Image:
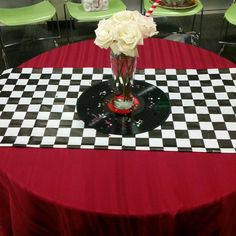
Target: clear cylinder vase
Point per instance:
(123, 69)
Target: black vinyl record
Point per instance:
(152, 111)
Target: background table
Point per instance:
(95, 192)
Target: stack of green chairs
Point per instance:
(229, 19)
(27, 15)
(169, 12)
(77, 13)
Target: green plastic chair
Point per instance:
(168, 12)
(229, 19)
(76, 12)
(27, 15)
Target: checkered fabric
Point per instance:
(38, 109)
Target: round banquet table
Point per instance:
(50, 191)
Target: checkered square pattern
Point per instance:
(38, 109)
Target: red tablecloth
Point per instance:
(91, 192)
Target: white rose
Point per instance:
(127, 36)
(104, 34)
(147, 26)
(124, 31)
(125, 16)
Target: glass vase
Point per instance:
(123, 69)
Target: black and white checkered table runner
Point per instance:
(38, 109)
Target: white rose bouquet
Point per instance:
(124, 31)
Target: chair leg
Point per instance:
(4, 55)
(58, 26)
(67, 25)
(226, 30)
(222, 49)
(224, 39)
(200, 25)
(71, 27)
(58, 31)
(193, 23)
(5, 60)
(141, 7)
(54, 40)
